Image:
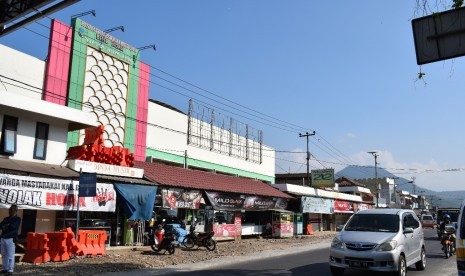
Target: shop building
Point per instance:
(230, 206)
(203, 139)
(321, 210)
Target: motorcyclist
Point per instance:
(442, 230)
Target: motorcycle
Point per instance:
(448, 243)
(158, 240)
(199, 239)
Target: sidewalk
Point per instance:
(186, 267)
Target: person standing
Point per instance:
(9, 227)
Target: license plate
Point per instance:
(358, 264)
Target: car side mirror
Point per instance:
(408, 230)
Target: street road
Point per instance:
(315, 262)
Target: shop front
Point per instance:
(317, 213)
(240, 215)
(343, 210)
(229, 206)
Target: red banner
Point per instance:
(343, 206)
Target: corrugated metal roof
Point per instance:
(37, 168)
(167, 175)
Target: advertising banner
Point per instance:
(53, 194)
(180, 198)
(343, 206)
(317, 205)
(362, 206)
(322, 178)
(231, 202)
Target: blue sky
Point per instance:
(345, 69)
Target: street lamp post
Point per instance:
(375, 155)
(306, 135)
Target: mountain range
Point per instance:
(441, 199)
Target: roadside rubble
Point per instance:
(125, 259)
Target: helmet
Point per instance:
(446, 216)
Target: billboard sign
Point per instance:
(439, 36)
(322, 178)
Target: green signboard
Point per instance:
(322, 178)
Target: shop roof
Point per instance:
(50, 170)
(344, 182)
(167, 175)
(36, 168)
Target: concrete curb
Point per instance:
(222, 261)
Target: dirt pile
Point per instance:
(131, 258)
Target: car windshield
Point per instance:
(373, 223)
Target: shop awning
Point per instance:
(36, 168)
(171, 176)
(138, 200)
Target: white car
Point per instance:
(428, 221)
(379, 240)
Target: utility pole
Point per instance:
(414, 186)
(306, 135)
(375, 155)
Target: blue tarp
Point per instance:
(138, 200)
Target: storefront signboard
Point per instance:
(100, 168)
(231, 202)
(317, 205)
(343, 206)
(53, 194)
(180, 198)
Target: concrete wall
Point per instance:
(24, 68)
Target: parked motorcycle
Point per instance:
(158, 240)
(199, 239)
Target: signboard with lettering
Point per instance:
(322, 178)
(180, 198)
(53, 194)
(227, 201)
(343, 206)
(100, 168)
(317, 205)
(87, 184)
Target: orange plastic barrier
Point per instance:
(72, 245)
(57, 246)
(92, 242)
(309, 229)
(36, 248)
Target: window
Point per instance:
(40, 145)
(410, 221)
(8, 139)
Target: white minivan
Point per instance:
(379, 240)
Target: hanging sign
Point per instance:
(180, 198)
(53, 194)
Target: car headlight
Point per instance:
(337, 243)
(387, 246)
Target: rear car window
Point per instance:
(373, 223)
(427, 217)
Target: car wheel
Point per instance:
(336, 271)
(421, 264)
(401, 267)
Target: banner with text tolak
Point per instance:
(53, 194)
(317, 205)
(227, 201)
(180, 198)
